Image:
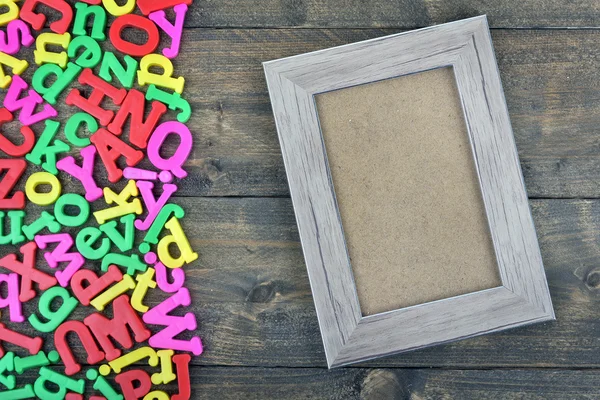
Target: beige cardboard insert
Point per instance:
(407, 190)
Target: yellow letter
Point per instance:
(17, 66)
(123, 207)
(42, 178)
(41, 55)
(145, 77)
(177, 237)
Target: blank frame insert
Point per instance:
(407, 191)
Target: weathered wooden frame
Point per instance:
(522, 299)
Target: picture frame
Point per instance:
(523, 297)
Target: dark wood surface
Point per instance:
(250, 288)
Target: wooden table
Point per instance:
(250, 288)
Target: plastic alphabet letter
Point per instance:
(37, 20)
(12, 297)
(7, 364)
(82, 17)
(153, 206)
(129, 359)
(75, 123)
(91, 54)
(177, 160)
(8, 146)
(116, 10)
(141, 23)
(55, 318)
(32, 345)
(11, 14)
(102, 300)
(63, 79)
(163, 282)
(166, 374)
(159, 223)
(145, 77)
(27, 104)
(110, 149)
(16, 66)
(42, 178)
(148, 6)
(105, 329)
(182, 362)
(125, 74)
(16, 224)
(101, 89)
(134, 106)
(60, 381)
(65, 242)
(103, 386)
(173, 30)
(132, 262)
(95, 355)
(25, 392)
(27, 271)
(144, 281)
(73, 200)
(123, 207)
(43, 56)
(86, 238)
(43, 148)
(84, 173)
(173, 100)
(46, 220)
(177, 237)
(14, 170)
(123, 242)
(159, 315)
(17, 34)
(135, 384)
(94, 285)
(36, 361)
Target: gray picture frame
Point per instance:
(348, 336)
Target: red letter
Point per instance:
(148, 6)
(134, 105)
(37, 21)
(110, 149)
(27, 271)
(123, 316)
(101, 90)
(134, 21)
(15, 170)
(60, 342)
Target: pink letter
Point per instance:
(12, 297)
(83, 173)
(174, 31)
(60, 254)
(9, 41)
(27, 104)
(159, 315)
(177, 160)
(152, 205)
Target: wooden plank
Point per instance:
(254, 306)
(374, 384)
(550, 79)
(396, 14)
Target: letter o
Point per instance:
(134, 21)
(42, 178)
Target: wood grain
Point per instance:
(376, 384)
(550, 80)
(394, 14)
(254, 306)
